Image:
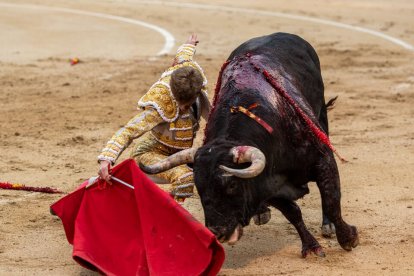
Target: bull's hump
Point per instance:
(243, 72)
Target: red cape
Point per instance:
(120, 231)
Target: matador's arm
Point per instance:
(137, 126)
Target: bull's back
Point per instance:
(295, 56)
(282, 46)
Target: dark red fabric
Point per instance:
(120, 231)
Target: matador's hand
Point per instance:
(192, 39)
(104, 171)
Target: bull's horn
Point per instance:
(179, 158)
(243, 154)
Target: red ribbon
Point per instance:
(320, 135)
(10, 186)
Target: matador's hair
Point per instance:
(186, 83)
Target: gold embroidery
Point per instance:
(160, 98)
(147, 143)
(187, 179)
(183, 123)
(184, 134)
(179, 144)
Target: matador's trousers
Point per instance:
(149, 151)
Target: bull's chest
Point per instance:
(288, 186)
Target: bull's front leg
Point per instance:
(327, 179)
(293, 214)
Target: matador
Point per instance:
(167, 121)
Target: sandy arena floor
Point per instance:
(55, 118)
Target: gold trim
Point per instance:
(160, 98)
(179, 144)
(184, 134)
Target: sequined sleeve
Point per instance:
(137, 126)
(185, 53)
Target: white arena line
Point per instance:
(283, 15)
(168, 37)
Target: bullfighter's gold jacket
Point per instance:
(159, 114)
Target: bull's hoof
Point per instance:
(262, 218)
(328, 230)
(350, 241)
(317, 250)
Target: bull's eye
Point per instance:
(231, 188)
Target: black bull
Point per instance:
(266, 138)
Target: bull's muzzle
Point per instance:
(222, 235)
